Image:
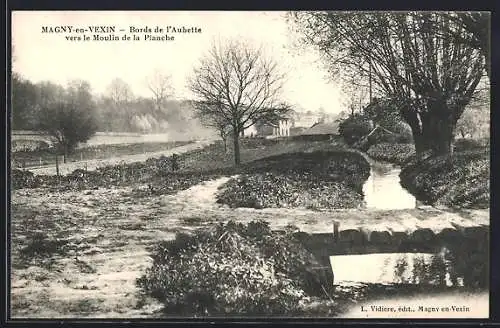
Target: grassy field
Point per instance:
(44, 157)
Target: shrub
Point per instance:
(395, 153)
(470, 144)
(300, 190)
(230, 269)
(320, 179)
(23, 179)
(354, 128)
(459, 181)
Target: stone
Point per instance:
(380, 237)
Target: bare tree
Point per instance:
(218, 122)
(120, 94)
(357, 94)
(235, 84)
(119, 91)
(160, 85)
(430, 76)
(477, 26)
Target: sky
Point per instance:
(50, 56)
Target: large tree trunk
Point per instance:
(236, 143)
(434, 133)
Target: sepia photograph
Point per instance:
(249, 164)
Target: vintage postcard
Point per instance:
(250, 164)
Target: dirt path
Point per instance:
(65, 168)
(106, 235)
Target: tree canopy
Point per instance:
(236, 85)
(414, 59)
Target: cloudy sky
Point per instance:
(49, 56)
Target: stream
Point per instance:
(383, 191)
(454, 268)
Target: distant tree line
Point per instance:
(117, 110)
(71, 114)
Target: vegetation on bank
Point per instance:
(396, 153)
(275, 174)
(318, 180)
(462, 180)
(233, 269)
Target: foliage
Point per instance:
(396, 153)
(23, 179)
(319, 179)
(386, 114)
(379, 122)
(230, 269)
(460, 181)
(69, 118)
(411, 60)
(24, 100)
(236, 86)
(353, 128)
(298, 191)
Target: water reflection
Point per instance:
(451, 267)
(382, 190)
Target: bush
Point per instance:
(230, 269)
(23, 179)
(395, 153)
(470, 144)
(460, 181)
(353, 128)
(300, 190)
(320, 179)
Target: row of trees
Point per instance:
(72, 114)
(427, 64)
(118, 110)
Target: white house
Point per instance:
(283, 128)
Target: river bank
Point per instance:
(77, 252)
